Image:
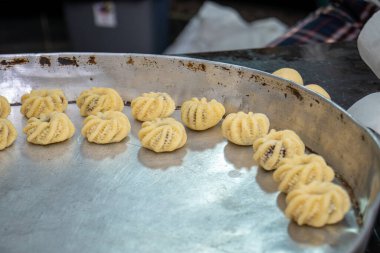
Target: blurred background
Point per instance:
(146, 26)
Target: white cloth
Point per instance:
(369, 43)
(220, 28)
(367, 111)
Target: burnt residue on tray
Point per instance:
(194, 66)
(13, 62)
(130, 61)
(341, 117)
(68, 61)
(45, 61)
(222, 67)
(91, 60)
(295, 92)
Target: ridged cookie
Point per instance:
(162, 135)
(39, 102)
(200, 115)
(107, 127)
(244, 128)
(49, 128)
(153, 105)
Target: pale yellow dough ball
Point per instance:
(49, 128)
(289, 74)
(244, 128)
(199, 114)
(150, 106)
(39, 102)
(162, 135)
(270, 149)
(318, 89)
(8, 133)
(107, 127)
(317, 204)
(99, 99)
(5, 108)
(300, 170)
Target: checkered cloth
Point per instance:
(341, 20)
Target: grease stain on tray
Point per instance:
(68, 61)
(44, 61)
(295, 92)
(91, 60)
(130, 61)
(194, 66)
(13, 62)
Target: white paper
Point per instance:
(220, 28)
(367, 111)
(104, 14)
(369, 43)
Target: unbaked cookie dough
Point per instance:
(49, 128)
(300, 170)
(5, 108)
(8, 133)
(200, 115)
(153, 105)
(162, 135)
(244, 128)
(289, 74)
(317, 204)
(273, 147)
(318, 89)
(107, 127)
(39, 102)
(98, 99)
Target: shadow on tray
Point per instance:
(161, 161)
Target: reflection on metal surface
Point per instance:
(151, 160)
(318, 237)
(207, 196)
(103, 151)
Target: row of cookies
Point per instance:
(295, 76)
(47, 122)
(105, 123)
(312, 198)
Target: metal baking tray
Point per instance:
(208, 196)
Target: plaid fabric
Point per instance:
(341, 20)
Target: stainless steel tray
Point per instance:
(206, 197)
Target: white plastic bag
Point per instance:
(220, 28)
(369, 43)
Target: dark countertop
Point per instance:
(336, 67)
